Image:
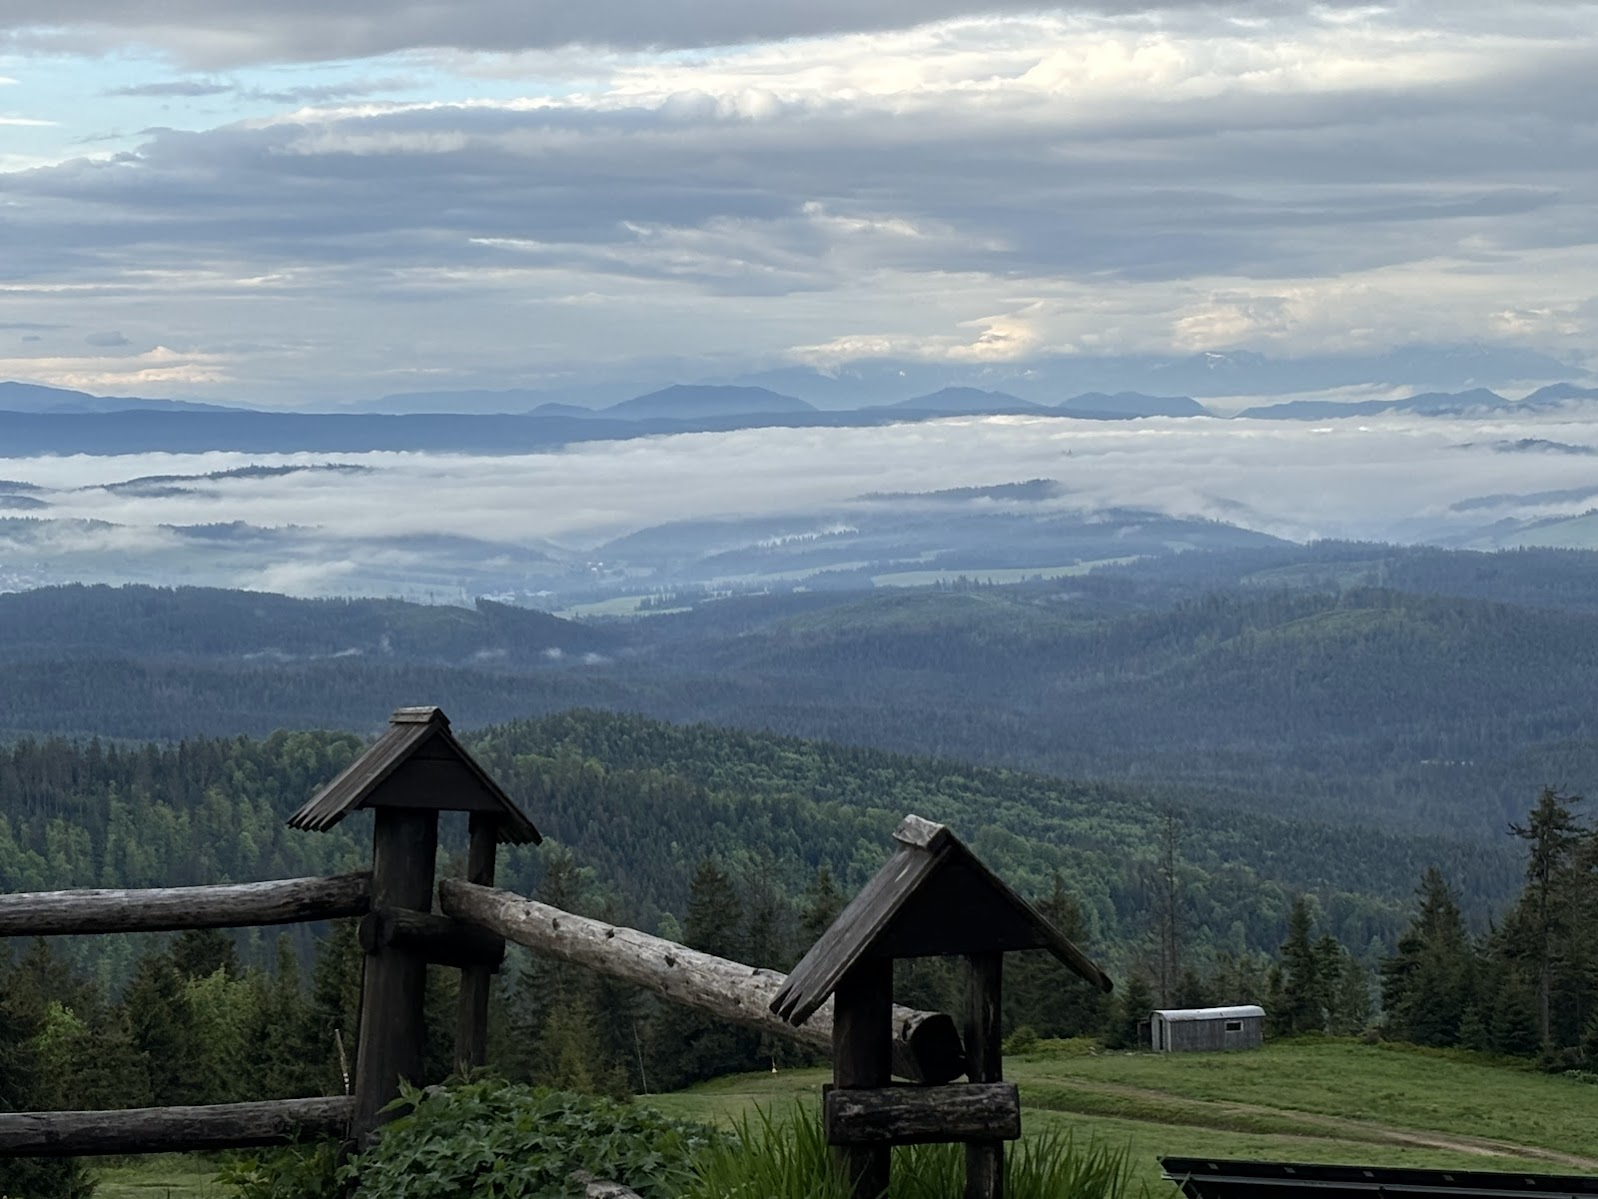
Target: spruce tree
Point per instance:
(1553, 836)
(1301, 985)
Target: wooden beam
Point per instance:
(471, 1012)
(172, 1129)
(862, 1057)
(163, 909)
(926, 1045)
(393, 1028)
(984, 1160)
(970, 1111)
(437, 940)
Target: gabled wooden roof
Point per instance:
(933, 897)
(416, 763)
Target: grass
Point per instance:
(1311, 1101)
(159, 1176)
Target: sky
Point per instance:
(296, 203)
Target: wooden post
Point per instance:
(471, 1029)
(393, 1028)
(984, 1160)
(862, 1056)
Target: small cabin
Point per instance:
(1206, 1029)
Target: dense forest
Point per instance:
(763, 838)
(1407, 689)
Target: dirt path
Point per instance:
(1331, 1126)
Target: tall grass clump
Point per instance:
(786, 1156)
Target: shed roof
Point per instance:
(932, 897)
(1238, 1012)
(416, 763)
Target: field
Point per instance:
(1311, 1100)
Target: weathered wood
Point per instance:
(984, 1160)
(926, 1045)
(435, 939)
(923, 834)
(393, 1030)
(471, 1017)
(862, 1057)
(172, 1129)
(970, 1111)
(416, 763)
(163, 909)
(932, 898)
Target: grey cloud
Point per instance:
(232, 32)
(687, 192)
(173, 88)
(107, 340)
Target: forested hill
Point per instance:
(642, 803)
(1343, 684)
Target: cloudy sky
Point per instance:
(300, 202)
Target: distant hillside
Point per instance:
(1434, 403)
(682, 402)
(32, 397)
(1131, 404)
(961, 401)
(1559, 393)
(199, 622)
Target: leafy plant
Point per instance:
(498, 1140)
(293, 1172)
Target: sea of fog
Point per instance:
(1384, 478)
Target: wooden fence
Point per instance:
(411, 774)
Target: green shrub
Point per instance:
(787, 1157)
(490, 1140)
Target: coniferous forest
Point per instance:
(1316, 783)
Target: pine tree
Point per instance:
(1426, 982)
(823, 901)
(1042, 995)
(201, 952)
(1553, 836)
(162, 1027)
(1132, 1009)
(1302, 990)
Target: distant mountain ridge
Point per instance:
(1434, 403)
(966, 401)
(692, 402)
(1130, 404)
(35, 397)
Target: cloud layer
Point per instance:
(980, 189)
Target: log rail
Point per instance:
(167, 909)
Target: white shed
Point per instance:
(1180, 1030)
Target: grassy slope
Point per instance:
(1315, 1101)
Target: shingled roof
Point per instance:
(933, 897)
(416, 763)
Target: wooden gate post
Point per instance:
(933, 898)
(862, 1057)
(984, 1160)
(471, 1031)
(393, 1029)
(410, 774)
